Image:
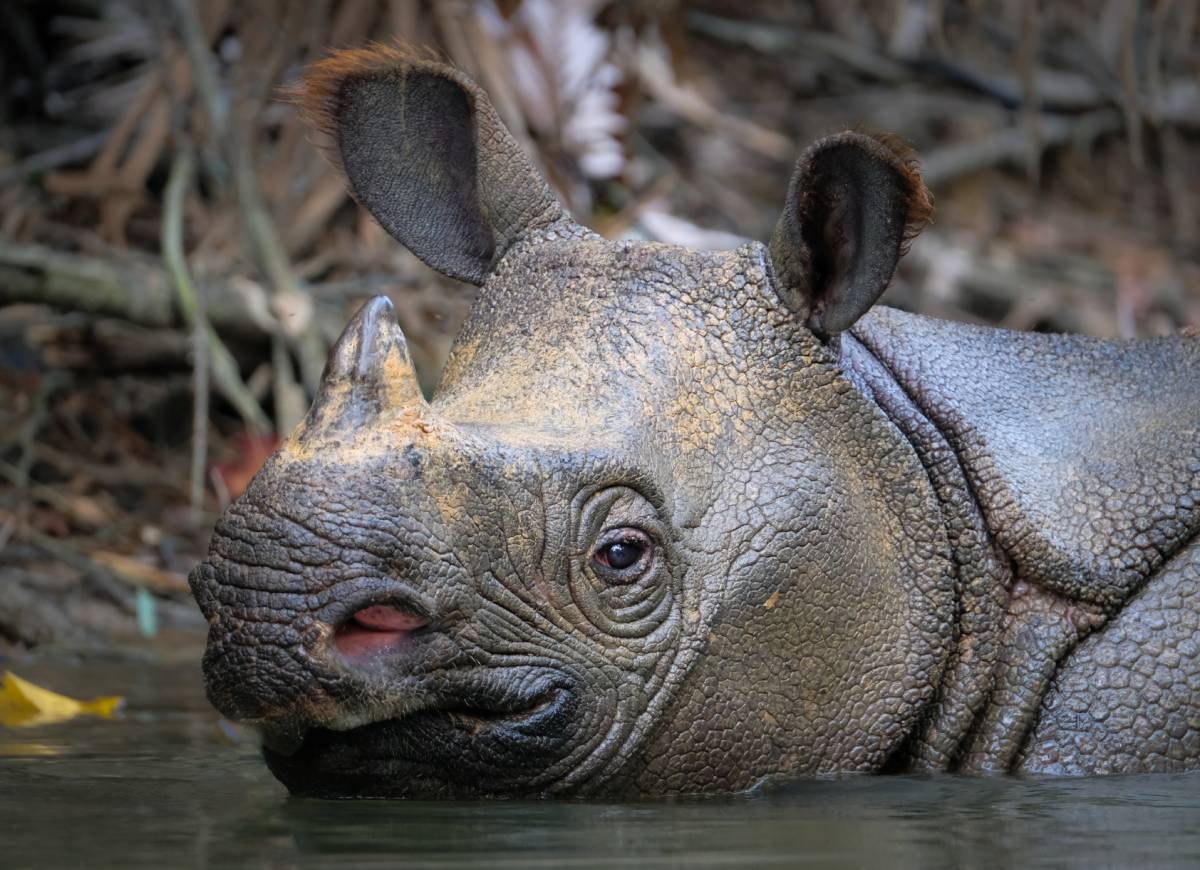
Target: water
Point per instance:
(166, 786)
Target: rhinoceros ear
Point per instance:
(854, 203)
(425, 153)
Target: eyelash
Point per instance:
(635, 538)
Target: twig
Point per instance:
(53, 158)
(199, 412)
(129, 473)
(123, 568)
(1130, 103)
(203, 72)
(48, 384)
(310, 350)
(8, 525)
(139, 290)
(199, 61)
(1057, 90)
(194, 44)
(18, 475)
(1154, 51)
(1176, 182)
(773, 39)
(74, 509)
(1011, 145)
(1026, 289)
(125, 287)
(260, 229)
(1027, 51)
(224, 369)
(658, 80)
(135, 573)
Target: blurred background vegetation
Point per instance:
(176, 257)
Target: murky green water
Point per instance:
(166, 787)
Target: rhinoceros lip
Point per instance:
(434, 752)
(478, 714)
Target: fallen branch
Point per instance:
(1012, 144)
(269, 251)
(53, 158)
(126, 569)
(1057, 90)
(128, 288)
(129, 472)
(129, 570)
(224, 368)
(658, 79)
(777, 39)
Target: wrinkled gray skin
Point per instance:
(869, 541)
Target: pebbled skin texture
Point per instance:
(1084, 459)
(909, 545)
(983, 572)
(1128, 699)
(1083, 453)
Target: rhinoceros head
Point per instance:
(645, 538)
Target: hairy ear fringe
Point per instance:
(920, 200)
(315, 95)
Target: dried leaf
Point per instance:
(140, 574)
(294, 310)
(86, 511)
(257, 302)
(252, 452)
(565, 80)
(23, 704)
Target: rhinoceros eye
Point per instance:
(622, 555)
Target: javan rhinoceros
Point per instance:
(681, 521)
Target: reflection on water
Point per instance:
(166, 786)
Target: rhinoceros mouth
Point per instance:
(482, 742)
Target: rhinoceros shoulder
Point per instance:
(1083, 453)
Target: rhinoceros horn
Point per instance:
(369, 371)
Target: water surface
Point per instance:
(167, 786)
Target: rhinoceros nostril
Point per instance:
(375, 629)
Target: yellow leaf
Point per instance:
(23, 704)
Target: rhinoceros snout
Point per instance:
(280, 654)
